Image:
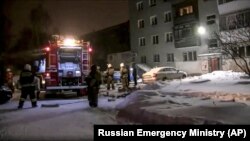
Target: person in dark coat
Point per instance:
(27, 82)
(93, 81)
(135, 75)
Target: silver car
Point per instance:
(163, 73)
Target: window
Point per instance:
(156, 58)
(185, 56)
(139, 6)
(169, 37)
(142, 41)
(152, 3)
(141, 23)
(170, 57)
(190, 56)
(212, 43)
(153, 20)
(224, 1)
(235, 21)
(155, 39)
(167, 17)
(211, 19)
(143, 59)
(183, 31)
(186, 10)
(110, 58)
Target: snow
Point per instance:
(217, 81)
(207, 99)
(220, 97)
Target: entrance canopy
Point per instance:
(209, 54)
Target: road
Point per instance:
(71, 118)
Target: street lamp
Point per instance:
(201, 30)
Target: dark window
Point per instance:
(248, 50)
(140, 23)
(190, 56)
(152, 3)
(168, 17)
(185, 57)
(142, 41)
(153, 20)
(169, 37)
(143, 59)
(139, 6)
(212, 43)
(156, 58)
(155, 39)
(211, 19)
(170, 57)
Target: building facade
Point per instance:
(178, 33)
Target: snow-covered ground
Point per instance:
(221, 97)
(215, 98)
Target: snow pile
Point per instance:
(222, 75)
(211, 100)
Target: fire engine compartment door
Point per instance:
(69, 63)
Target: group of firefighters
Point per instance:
(94, 81)
(30, 86)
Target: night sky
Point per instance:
(72, 17)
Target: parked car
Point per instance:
(163, 73)
(5, 94)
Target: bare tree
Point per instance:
(233, 44)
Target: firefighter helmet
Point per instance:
(27, 67)
(122, 65)
(109, 65)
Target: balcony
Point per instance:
(233, 6)
(185, 19)
(187, 42)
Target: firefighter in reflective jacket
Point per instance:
(27, 82)
(124, 77)
(110, 77)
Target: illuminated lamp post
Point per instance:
(90, 55)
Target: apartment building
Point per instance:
(235, 20)
(166, 32)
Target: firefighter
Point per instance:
(110, 77)
(9, 79)
(124, 77)
(93, 81)
(27, 82)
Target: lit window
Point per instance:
(186, 10)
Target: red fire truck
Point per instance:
(67, 62)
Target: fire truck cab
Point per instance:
(67, 63)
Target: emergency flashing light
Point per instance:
(90, 49)
(69, 42)
(47, 49)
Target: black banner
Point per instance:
(172, 132)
